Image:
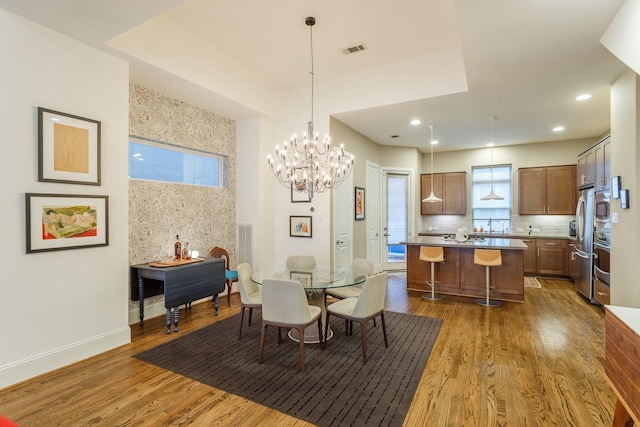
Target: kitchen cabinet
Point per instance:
(450, 187)
(602, 158)
(586, 169)
(551, 256)
(530, 255)
(547, 190)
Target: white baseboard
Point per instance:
(25, 369)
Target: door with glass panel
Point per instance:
(396, 225)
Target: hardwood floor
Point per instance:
(537, 363)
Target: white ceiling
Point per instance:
(522, 61)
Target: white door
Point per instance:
(372, 214)
(397, 190)
(343, 215)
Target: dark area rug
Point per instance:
(336, 389)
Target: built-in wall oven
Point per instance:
(601, 265)
(602, 210)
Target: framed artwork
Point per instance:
(68, 148)
(300, 226)
(359, 203)
(302, 277)
(624, 199)
(66, 221)
(300, 192)
(615, 187)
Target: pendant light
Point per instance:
(492, 195)
(432, 197)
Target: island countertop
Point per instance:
(485, 243)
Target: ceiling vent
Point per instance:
(354, 49)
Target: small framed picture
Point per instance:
(303, 277)
(359, 203)
(615, 187)
(66, 221)
(68, 148)
(624, 199)
(300, 192)
(300, 226)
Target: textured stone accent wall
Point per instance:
(202, 216)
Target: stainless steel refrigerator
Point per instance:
(584, 244)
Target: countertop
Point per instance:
(486, 243)
(629, 316)
(504, 236)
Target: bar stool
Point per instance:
(432, 254)
(489, 258)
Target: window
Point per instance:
(496, 212)
(157, 161)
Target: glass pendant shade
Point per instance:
(492, 194)
(432, 197)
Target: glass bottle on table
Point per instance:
(186, 253)
(177, 249)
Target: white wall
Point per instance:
(625, 158)
(63, 306)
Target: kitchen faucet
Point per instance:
(489, 224)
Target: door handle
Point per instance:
(338, 242)
(386, 234)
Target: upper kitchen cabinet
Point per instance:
(602, 156)
(547, 190)
(450, 187)
(594, 166)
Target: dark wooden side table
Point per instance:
(181, 284)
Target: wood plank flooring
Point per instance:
(537, 363)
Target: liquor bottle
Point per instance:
(177, 249)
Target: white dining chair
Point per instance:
(360, 266)
(284, 304)
(367, 306)
(301, 263)
(250, 293)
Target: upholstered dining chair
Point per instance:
(361, 266)
(284, 304)
(250, 293)
(301, 263)
(367, 306)
(230, 275)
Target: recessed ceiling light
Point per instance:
(415, 122)
(558, 128)
(490, 144)
(583, 97)
(434, 142)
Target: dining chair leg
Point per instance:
(363, 326)
(242, 320)
(279, 335)
(326, 329)
(323, 342)
(250, 313)
(301, 336)
(384, 329)
(229, 293)
(264, 332)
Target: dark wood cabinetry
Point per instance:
(547, 190)
(552, 256)
(450, 187)
(594, 166)
(530, 256)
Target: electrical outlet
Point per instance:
(519, 230)
(614, 217)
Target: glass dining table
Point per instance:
(315, 282)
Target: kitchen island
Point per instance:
(458, 275)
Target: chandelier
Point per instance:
(310, 164)
(432, 197)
